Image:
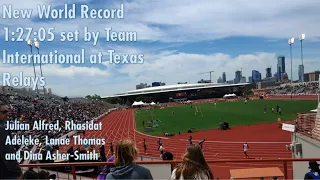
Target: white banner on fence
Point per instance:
(288, 127)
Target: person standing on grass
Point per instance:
(245, 149)
(279, 111)
(265, 109)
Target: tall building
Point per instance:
(224, 77)
(281, 67)
(301, 73)
(312, 76)
(268, 72)
(256, 76)
(250, 79)
(238, 76)
(243, 79)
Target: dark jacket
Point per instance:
(311, 175)
(132, 171)
(8, 169)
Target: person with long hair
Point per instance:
(124, 160)
(193, 166)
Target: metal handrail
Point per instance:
(174, 162)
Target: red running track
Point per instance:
(265, 141)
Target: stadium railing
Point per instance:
(155, 166)
(306, 124)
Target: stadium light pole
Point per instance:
(37, 45)
(29, 42)
(301, 38)
(290, 42)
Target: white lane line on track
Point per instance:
(236, 142)
(216, 154)
(150, 135)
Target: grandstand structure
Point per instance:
(186, 91)
(306, 138)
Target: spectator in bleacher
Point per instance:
(102, 153)
(314, 172)
(9, 169)
(30, 174)
(193, 166)
(126, 168)
(106, 169)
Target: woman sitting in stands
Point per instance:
(126, 154)
(193, 166)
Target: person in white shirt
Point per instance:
(245, 149)
(193, 166)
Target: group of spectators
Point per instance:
(309, 88)
(27, 107)
(193, 166)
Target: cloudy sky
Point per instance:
(179, 40)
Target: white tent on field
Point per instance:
(229, 95)
(138, 103)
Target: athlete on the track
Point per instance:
(245, 149)
(190, 140)
(111, 148)
(159, 143)
(201, 143)
(144, 146)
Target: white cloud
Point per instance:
(173, 21)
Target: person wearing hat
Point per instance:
(314, 172)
